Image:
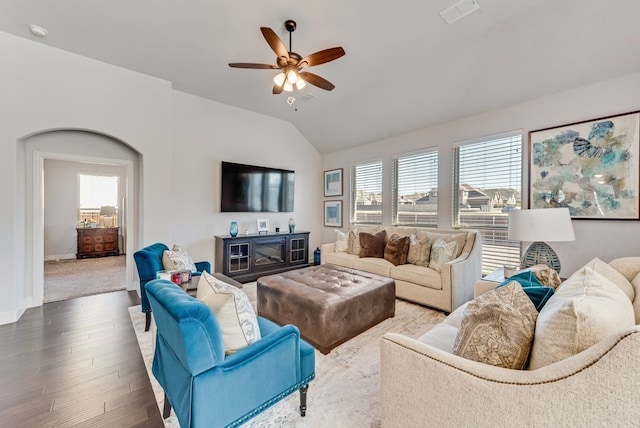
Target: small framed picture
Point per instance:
(263, 225)
(333, 213)
(333, 182)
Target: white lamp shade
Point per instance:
(546, 224)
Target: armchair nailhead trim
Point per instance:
(272, 401)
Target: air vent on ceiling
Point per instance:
(307, 97)
(459, 10)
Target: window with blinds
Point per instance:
(415, 189)
(487, 184)
(96, 191)
(366, 193)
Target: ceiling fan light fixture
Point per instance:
(292, 76)
(300, 83)
(279, 79)
(288, 86)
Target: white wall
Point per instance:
(604, 239)
(180, 140)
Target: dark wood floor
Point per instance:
(75, 363)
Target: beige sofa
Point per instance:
(424, 384)
(444, 290)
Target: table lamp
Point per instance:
(536, 226)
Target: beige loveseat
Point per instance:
(444, 290)
(424, 384)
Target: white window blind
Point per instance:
(415, 189)
(487, 184)
(366, 193)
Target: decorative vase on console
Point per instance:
(292, 225)
(233, 229)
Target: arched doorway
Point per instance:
(74, 146)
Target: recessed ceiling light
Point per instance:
(37, 30)
(459, 10)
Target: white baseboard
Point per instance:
(10, 317)
(59, 257)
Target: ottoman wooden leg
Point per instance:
(303, 400)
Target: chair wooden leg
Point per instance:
(166, 411)
(303, 400)
(147, 321)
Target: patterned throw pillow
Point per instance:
(441, 253)
(177, 259)
(459, 238)
(353, 243)
(372, 245)
(233, 311)
(498, 328)
(341, 241)
(396, 250)
(419, 250)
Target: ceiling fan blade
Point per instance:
(253, 65)
(316, 80)
(276, 44)
(277, 89)
(321, 57)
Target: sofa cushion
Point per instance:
(341, 259)
(498, 328)
(629, 267)
(636, 302)
(419, 250)
(375, 265)
(441, 336)
(441, 253)
(612, 275)
(234, 313)
(396, 249)
(177, 259)
(586, 308)
(372, 245)
(417, 275)
(341, 241)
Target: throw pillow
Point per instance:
(341, 241)
(612, 275)
(586, 308)
(234, 313)
(546, 275)
(372, 245)
(459, 238)
(498, 328)
(441, 253)
(353, 242)
(419, 250)
(177, 259)
(532, 287)
(396, 249)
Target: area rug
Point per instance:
(67, 279)
(346, 391)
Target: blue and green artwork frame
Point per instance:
(590, 167)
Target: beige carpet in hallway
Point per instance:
(66, 279)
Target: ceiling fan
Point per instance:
(291, 63)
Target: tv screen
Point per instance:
(249, 188)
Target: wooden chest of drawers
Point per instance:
(97, 242)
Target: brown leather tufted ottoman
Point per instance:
(329, 304)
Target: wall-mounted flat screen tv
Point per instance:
(249, 188)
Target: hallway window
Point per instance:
(96, 191)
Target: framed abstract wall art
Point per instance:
(333, 213)
(333, 182)
(590, 167)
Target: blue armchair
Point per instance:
(207, 388)
(149, 261)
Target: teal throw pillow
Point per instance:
(538, 293)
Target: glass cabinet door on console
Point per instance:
(248, 257)
(239, 257)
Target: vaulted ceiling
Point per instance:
(404, 68)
